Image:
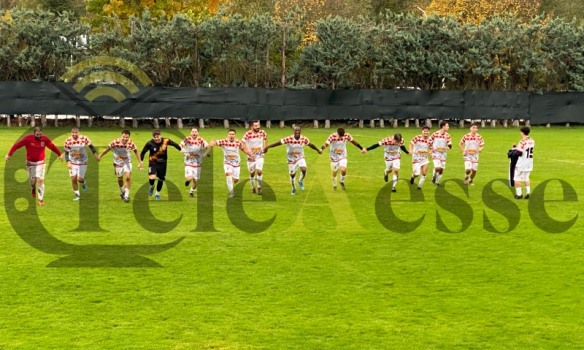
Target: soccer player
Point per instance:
(122, 149)
(76, 158)
(471, 145)
(392, 146)
(193, 147)
(231, 160)
(440, 143)
(35, 145)
(420, 149)
(295, 154)
(524, 163)
(338, 143)
(255, 140)
(158, 155)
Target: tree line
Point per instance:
(389, 51)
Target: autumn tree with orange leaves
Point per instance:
(475, 11)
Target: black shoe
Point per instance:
(526, 196)
(434, 179)
(412, 180)
(259, 192)
(342, 185)
(518, 196)
(192, 194)
(393, 190)
(419, 188)
(386, 177)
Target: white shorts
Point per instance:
(78, 170)
(468, 165)
(293, 167)
(439, 163)
(36, 171)
(417, 167)
(521, 176)
(392, 164)
(193, 171)
(121, 169)
(231, 169)
(335, 165)
(257, 164)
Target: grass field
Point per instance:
(319, 270)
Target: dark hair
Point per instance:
(474, 124)
(341, 131)
(126, 131)
(525, 130)
(397, 137)
(442, 123)
(425, 127)
(230, 130)
(155, 132)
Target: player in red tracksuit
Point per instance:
(35, 144)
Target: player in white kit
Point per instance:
(338, 142)
(420, 150)
(440, 143)
(76, 158)
(122, 149)
(231, 160)
(256, 140)
(471, 145)
(193, 147)
(295, 155)
(524, 165)
(392, 155)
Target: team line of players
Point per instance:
(422, 148)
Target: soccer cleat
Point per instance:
(41, 203)
(343, 186)
(385, 177)
(84, 187)
(151, 191)
(122, 196)
(259, 191)
(231, 194)
(412, 180)
(75, 197)
(434, 179)
(526, 196)
(518, 196)
(126, 199)
(157, 197)
(393, 189)
(301, 185)
(293, 192)
(192, 194)
(419, 188)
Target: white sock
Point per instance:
(527, 189)
(41, 191)
(260, 179)
(394, 180)
(229, 180)
(343, 178)
(252, 180)
(76, 192)
(518, 191)
(438, 177)
(126, 192)
(422, 179)
(335, 181)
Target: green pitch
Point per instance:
(460, 267)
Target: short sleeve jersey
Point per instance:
(472, 143)
(440, 143)
(230, 151)
(193, 150)
(338, 146)
(421, 147)
(77, 149)
(255, 142)
(294, 147)
(525, 161)
(392, 148)
(122, 152)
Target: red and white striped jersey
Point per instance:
(77, 149)
(338, 146)
(255, 142)
(294, 147)
(472, 143)
(440, 143)
(122, 152)
(193, 149)
(392, 148)
(421, 148)
(525, 161)
(230, 151)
